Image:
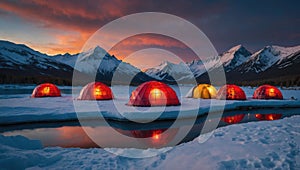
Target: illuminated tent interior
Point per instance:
(204, 91)
(153, 93)
(231, 92)
(46, 90)
(95, 91)
(267, 92)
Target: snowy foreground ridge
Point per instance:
(262, 145)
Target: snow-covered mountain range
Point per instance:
(21, 64)
(169, 72)
(268, 57)
(97, 61)
(229, 60)
(238, 63)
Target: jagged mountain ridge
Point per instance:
(19, 64)
(239, 64)
(229, 60)
(96, 61)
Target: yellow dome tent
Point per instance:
(204, 91)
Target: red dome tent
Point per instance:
(267, 92)
(231, 92)
(46, 90)
(95, 91)
(153, 93)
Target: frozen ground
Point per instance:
(20, 108)
(261, 145)
(254, 145)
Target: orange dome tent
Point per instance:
(231, 92)
(95, 91)
(46, 90)
(204, 91)
(267, 92)
(153, 93)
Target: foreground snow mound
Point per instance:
(262, 145)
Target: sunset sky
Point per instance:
(55, 27)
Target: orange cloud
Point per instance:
(75, 21)
(82, 18)
(64, 44)
(144, 41)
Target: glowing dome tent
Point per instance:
(46, 90)
(204, 91)
(95, 91)
(267, 92)
(231, 92)
(153, 93)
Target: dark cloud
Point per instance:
(254, 24)
(227, 23)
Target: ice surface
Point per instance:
(20, 108)
(260, 145)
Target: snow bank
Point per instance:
(262, 145)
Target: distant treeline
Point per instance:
(19, 79)
(286, 81)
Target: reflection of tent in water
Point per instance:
(46, 90)
(233, 119)
(154, 138)
(95, 91)
(231, 92)
(267, 92)
(268, 116)
(204, 91)
(153, 93)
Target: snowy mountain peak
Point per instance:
(19, 48)
(99, 50)
(20, 60)
(269, 56)
(168, 70)
(236, 48)
(234, 52)
(95, 53)
(282, 51)
(166, 63)
(234, 57)
(8, 44)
